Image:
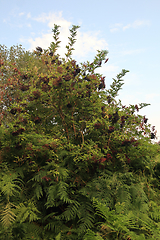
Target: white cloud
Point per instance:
(41, 18)
(133, 51)
(5, 20)
(132, 79)
(139, 23)
(52, 19)
(151, 96)
(136, 24)
(29, 15)
(43, 41)
(21, 14)
(23, 40)
(87, 42)
(46, 38)
(127, 26)
(109, 70)
(116, 27)
(28, 25)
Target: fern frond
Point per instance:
(28, 212)
(86, 222)
(86, 217)
(90, 235)
(58, 237)
(10, 184)
(39, 176)
(56, 226)
(71, 211)
(38, 191)
(63, 192)
(101, 209)
(51, 196)
(57, 193)
(34, 232)
(154, 212)
(8, 216)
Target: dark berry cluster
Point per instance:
(108, 156)
(44, 79)
(36, 94)
(24, 76)
(111, 129)
(37, 120)
(69, 105)
(136, 107)
(102, 84)
(115, 117)
(109, 99)
(122, 121)
(15, 110)
(153, 136)
(24, 87)
(126, 142)
(18, 146)
(67, 77)
(97, 125)
(19, 131)
(39, 49)
(145, 119)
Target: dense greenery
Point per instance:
(75, 163)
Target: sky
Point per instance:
(129, 30)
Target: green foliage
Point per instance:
(8, 215)
(74, 162)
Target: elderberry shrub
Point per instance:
(73, 151)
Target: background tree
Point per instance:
(75, 162)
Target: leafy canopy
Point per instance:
(75, 163)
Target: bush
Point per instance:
(75, 162)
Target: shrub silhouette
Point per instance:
(75, 162)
